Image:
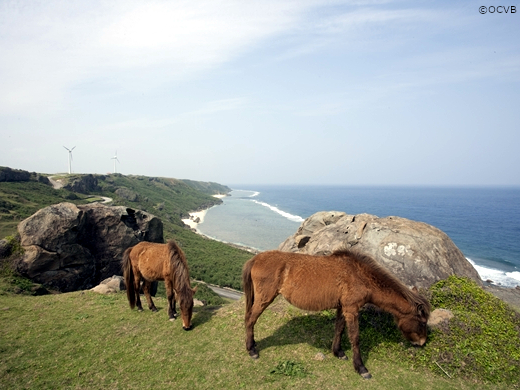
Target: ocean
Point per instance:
(483, 222)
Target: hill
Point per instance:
(85, 340)
(167, 198)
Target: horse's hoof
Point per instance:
(139, 310)
(172, 319)
(154, 310)
(366, 375)
(341, 355)
(254, 354)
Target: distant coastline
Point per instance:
(261, 217)
(197, 217)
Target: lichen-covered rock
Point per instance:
(417, 253)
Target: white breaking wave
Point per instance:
(514, 275)
(502, 278)
(251, 194)
(294, 218)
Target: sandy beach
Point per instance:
(197, 217)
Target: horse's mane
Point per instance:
(385, 278)
(180, 272)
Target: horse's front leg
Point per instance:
(353, 335)
(146, 289)
(170, 293)
(338, 332)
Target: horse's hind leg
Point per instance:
(258, 307)
(137, 289)
(146, 289)
(339, 327)
(172, 313)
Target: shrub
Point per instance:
(482, 341)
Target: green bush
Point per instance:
(483, 339)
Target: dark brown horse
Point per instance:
(151, 261)
(344, 281)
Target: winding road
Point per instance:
(57, 184)
(227, 293)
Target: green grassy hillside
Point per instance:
(19, 200)
(83, 340)
(169, 199)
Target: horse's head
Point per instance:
(186, 304)
(413, 326)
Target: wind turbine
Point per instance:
(115, 159)
(70, 158)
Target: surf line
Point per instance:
(294, 218)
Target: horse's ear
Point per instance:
(421, 310)
(415, 290)
(194, 289)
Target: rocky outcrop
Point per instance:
(417, 253)
(83, 184)
(127, 194)
(16, 175)
(69, 247)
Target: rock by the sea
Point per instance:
(417, 253)
(69, 247)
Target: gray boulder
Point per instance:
(111, 285)
(69, 247)
(127, 194)
(83, 184)
(417, 253)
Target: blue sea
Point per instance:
(483, 222)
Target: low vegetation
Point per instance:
(19, 200)
(86, 340)
(482, 341)
(169, 199)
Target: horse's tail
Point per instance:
(247, 285)
(128, 274)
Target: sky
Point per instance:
(359, 92)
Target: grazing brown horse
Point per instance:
(345, 281)
(151, 261)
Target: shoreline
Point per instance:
(197, 217)
(492, 276)
(508, 294)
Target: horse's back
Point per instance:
(151, 259)
(306, 281)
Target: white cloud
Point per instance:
(50, 48)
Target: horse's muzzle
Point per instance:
(188, 328)
(420, 343)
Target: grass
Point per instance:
(20, 200)
(169, 199)
(85, 340)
